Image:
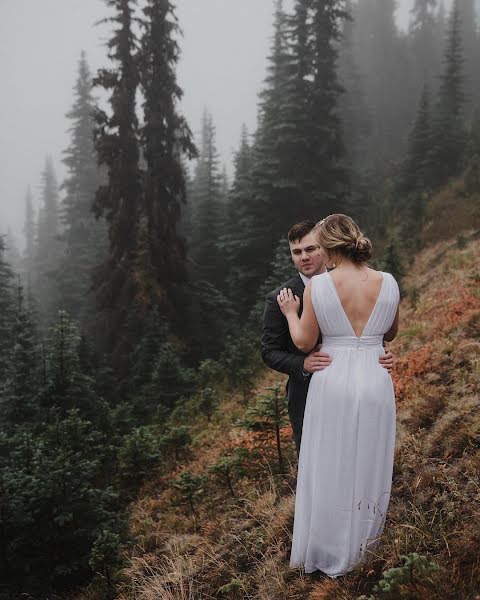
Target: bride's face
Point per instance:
(307, 256)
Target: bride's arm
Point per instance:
(304, 331)
(392, 332)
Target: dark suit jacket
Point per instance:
(281, 354)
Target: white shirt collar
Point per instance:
(304, 278)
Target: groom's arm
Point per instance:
(275, 342)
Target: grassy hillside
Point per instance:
(234, 542)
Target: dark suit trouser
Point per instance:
(297, 397)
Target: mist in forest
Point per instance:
(224, 51)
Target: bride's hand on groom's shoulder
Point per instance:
(288, 302)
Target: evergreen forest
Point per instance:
(134, 301)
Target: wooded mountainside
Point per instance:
(135, 303)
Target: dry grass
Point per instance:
(452, 210)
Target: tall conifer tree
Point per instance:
(425, 42)
(353, 109)
(273, 183)
(48, 247)
(271, 116)
(116, 137)
(236, 242)
(383, 59)
(13, 255)
(419, 166)
(166, 141)
(29, 233)
(417, 176)
(207, 208)
(85, 237)
(119, 200)
(6, 311)
(470, 43)
(19, 392)
(299, 154)
(449, 127)
(327, 175)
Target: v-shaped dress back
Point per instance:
(346, 456)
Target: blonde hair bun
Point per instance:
(339, 233)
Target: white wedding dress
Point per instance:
(346, 456)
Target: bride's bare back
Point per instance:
(358, 290)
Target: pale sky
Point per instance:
(224, 52)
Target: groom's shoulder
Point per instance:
(293, 283)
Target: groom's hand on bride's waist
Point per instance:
(387, 361)
(316, 361)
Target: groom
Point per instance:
(278, 351)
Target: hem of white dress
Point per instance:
(313, 568)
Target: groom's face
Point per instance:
(307, 257)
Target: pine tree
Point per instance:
(281, 269)
(263, 189)
(53, 497)
(116, 137)
(166, 141)
(299, 153)
(85, 237)
(6, 312)
(392, 262)
(105, 557)
(29, 233)
(442, 20)
(314, 133)
(66, 386)
(230, 466)
(176, 438)
(416, 176)
(48, 247)
(353, 109)
(207, 208)
(241, 359)
(211, 319)
(168, 382)
(272, 122)
(63, 482)
(328, 175)
(120, 199)
(266, 418)
(382, 57)
(48, 221)
(472, 171)
(12, 253)
(237, 242)
(208, 402)
(18, 405)
(138, 455)
(425, 43)
(470, 43)
(293, 125)
(190, 488)
(419, 166)
(273, 194)
(449, 131)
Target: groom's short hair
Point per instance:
(300, 230)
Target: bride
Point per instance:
(346, 457)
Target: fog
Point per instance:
(224, 52)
